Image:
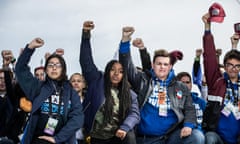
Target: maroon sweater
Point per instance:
(215, 82)
(214, 78)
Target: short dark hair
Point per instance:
(182, 74)
(161, 53)
(232, 54)
(38, 68)
(10, 72)
(173, 56)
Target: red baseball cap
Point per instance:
(216, 12)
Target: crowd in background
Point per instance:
(123, 104)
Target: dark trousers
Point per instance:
(40, 141)
(4, 140)
(129, 139)
(80, 141)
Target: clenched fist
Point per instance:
(234, 40)
(59, 51)
(88, 25)
(219, 52)
(199, 52)
(8, 57)
(47, 54)
(127, 33)
(36, 43)
(121, 134)
(205, 19)
(7, 54)
(138, 43)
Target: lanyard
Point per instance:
(232, 96)
(58, 94)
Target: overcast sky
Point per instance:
(168, 24)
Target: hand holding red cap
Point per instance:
(217, 13)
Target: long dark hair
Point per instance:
(63, 76)
(123, 95)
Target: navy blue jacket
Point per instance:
(38, 92)
(7, 106)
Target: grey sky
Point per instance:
(168, 24)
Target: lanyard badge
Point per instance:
(162, 102)
(161, 97)
(53, 122)
(236, 110)
(51, 126)
(229, 107)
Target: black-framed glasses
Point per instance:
(52, 65)
(231, 66)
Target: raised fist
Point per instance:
(127, 33)
(218, 52)
(36, 43)
(88, 25)
(234, 40)
(138, 43)
(206, 21)
(8, 57)
(7, 54)
(198, 52)
(205, 18)
(47, 54)
(59, 51)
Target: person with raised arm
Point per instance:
(111, 107)
(221, 119)
(56, 112)
(166, 110)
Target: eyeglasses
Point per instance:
(231, 66)
(52, 65)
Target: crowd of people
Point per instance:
(124, 104)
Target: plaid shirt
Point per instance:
(153, 98)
